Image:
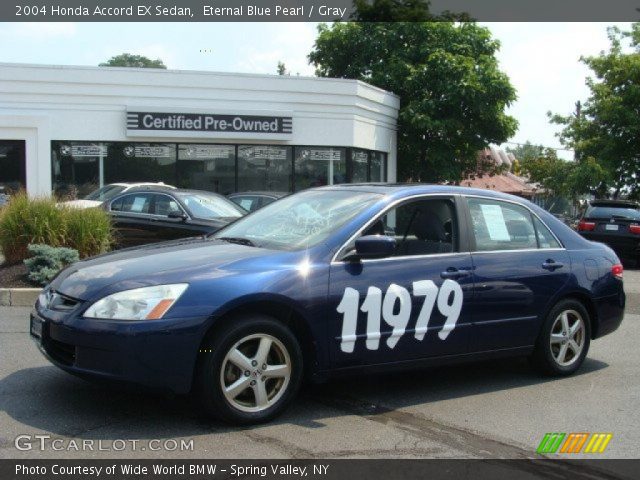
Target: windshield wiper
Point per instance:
(238, 240)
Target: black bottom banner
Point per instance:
(317, 469)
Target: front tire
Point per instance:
(249, 371)
(564, 340)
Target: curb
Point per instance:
(18, 297)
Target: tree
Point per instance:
(129, 60)
(527, 151)
(282, 69)
(452, 94)
(608, 127)
(561, 178)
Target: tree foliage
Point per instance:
(129, 60)
(282, 69)
(609, 127)
(452, 94)
(527, 151)
(557, 177)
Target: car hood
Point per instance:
(135, 267)
(81, 203)
(217, 222)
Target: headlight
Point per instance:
(148, 303)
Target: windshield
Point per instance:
(105, 193)
(608, 212)
(206, 206)
(299, 221)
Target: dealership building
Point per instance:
(69, 130)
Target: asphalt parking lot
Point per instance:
(489, 410)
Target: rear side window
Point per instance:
(501, 225)
(545, 237)
(609, 212)
(134, 203)
(249, 203)
(266, 201)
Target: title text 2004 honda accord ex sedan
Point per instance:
(341, 279)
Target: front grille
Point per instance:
(61, 352)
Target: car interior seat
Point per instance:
(430, 235)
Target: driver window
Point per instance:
(166, 205)
(422, 227)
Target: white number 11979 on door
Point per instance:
(374, 305)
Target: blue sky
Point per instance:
(542, 59)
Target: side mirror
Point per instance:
(177, 215)
(375, 246)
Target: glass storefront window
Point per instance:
(359, 165)
(264, 167)
(140, 162)
(207, 167)
(12, 166)
(378, 167)
(317, 166)
(79, 168)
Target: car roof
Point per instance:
(614, 203)
(408, 189)
(140, 184)
(167, 189)
(260, 192)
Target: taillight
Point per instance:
(617, 271)
(585, 226)
(634, 228)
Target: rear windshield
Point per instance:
(609, 211)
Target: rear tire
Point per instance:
(248, 371)
(564, 339)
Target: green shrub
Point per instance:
(30, 220)
(27, 221)
(89, 231)
(46, 261)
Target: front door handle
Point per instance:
(552, 265)
(454, 273)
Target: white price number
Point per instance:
(377, 307)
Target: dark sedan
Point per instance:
(616, 223)
(252, 201)
(344, 279)
(149, 215)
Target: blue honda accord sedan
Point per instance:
(329, 281)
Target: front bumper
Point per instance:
(158, 354)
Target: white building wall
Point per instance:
(41, 103)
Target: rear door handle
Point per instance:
(454, 273)
(552, 265)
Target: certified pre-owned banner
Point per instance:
(317, 469)
(207, 122)
(315, 10)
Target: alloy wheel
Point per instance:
(567, 337)
(255, 373)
